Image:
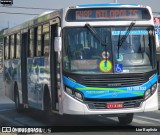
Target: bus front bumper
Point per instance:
(75, 107)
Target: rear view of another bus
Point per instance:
(109, 64)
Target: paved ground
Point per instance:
(4, 100)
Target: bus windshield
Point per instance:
(83, 53)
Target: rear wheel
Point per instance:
(126, 119)
(19, 107)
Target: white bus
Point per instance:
(84, 60)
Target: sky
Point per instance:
(10, 20)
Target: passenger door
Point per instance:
(53, 64)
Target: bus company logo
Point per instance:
(115, 94)
(114, 84)
(6, 2)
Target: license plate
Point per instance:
(115, 105)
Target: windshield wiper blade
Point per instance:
(120, 41)
(127, 33)
(103, 43)
(94, 33)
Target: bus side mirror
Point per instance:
(58, 47)
(57, 44)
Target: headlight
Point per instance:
(78, 95)
(147, 93)
(150, 91)
(74, 93)
(154, 87)
(69, 91)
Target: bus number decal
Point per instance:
(136, 88)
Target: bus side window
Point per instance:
(35, 41)
(18, 48)
(39, 32)
(46, 44)
(12, 47)
(6, 48)
(45, 40)
(15, 45)
(9, 48)
(31, 43)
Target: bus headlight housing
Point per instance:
(150, 91)
(154, 87)
(147, 93)
(74, 93)
(78, 95)
(69, 91)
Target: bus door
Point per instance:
(53, 65)
(24, 45)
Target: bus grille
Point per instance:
(113, 81)
(126, 104)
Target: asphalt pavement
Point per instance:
(5, 102)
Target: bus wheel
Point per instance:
(126, 119)
(18, 106)
(47, 104)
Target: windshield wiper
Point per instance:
(94, 33)
(103, 43)
(120, 41)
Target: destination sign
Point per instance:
(108, 14)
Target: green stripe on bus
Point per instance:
(109, 89)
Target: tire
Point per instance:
(126, 119)
(51, 117)
(19, 107)
(47, 105)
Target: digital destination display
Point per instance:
(108, 14)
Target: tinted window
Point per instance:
(45, 40)
(12, 47)
(31, 43)
(18, 49)
(6, 47)
(38, 51)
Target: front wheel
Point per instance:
(126, 119)
(18, 106)
(47, 104)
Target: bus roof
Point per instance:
(51, 14)
(107, 5)
(34, 21)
